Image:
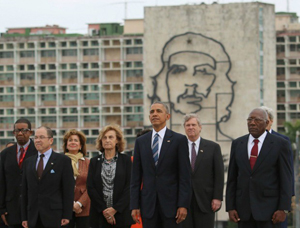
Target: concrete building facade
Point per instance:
(72, 81)
(288, 68)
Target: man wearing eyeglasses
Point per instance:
(47, 186)
(11, 169)
(259, 183)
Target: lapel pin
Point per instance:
(98, 159)
(201, 151)
(169, 141)
(52, 171)
(52, 163)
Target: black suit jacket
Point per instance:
(120, 193)
(10, 182)
(208, 175)
(52, 196)
(291, 158)
(264, 189)
(169, 181)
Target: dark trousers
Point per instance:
(79, 222)
(196, 218)
(15, 226)
(159, 220)
(257, 224)
(39, 224)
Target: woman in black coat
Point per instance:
(108, 181)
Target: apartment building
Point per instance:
(69, 81)
(288, 68)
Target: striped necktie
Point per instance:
(155, 149)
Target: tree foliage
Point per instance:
(291, 129)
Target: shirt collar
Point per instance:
(197, 142)
(24, 146)
(47, 153)
(260, 138)
(161, 133)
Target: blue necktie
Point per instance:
(155, 149)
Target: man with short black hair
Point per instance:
(165, 172)
(11, 169)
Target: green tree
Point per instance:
(291, 129)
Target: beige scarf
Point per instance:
(75, 158)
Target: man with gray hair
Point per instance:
(270, 113)
(207, 175)
(259, 182)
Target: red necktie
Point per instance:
(254, 153)
(22, 150)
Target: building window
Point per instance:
(134, 50)
(51, 45)
(90, 52)
(6, 77)
(69, 52)
(48, 53)
(52, 67)
(73, 44)
(9, 68)
(52, 111)
(6, 55)
(292, 38)
(6, 98)
(128, 42)
(94, 43)
(280, 61)
(138, 41)
(26, 54)
(48, 76)
(138, 64)
(49, 119)
(280, 85)
(48, 97)
(27, 76)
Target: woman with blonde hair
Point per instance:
(108, 181)
(74, 146)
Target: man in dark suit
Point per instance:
(270, 113)
(11, 169)
(47, 186)
(207, 176)
(161, 162)
(259, 183)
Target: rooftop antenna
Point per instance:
(125, 6)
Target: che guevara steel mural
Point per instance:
(194, 78)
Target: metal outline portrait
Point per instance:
(216, 59)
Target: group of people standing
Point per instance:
(174, 180)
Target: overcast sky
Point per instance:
(76, 14)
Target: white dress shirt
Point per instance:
(197, 145)
(260, 143)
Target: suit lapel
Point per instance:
(201, 153)
(243, 151)
(13, 157)
(50, 164)
(147, 143)
(167, 140)
(265, 149)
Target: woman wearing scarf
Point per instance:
(108, 181)
(74, 145)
